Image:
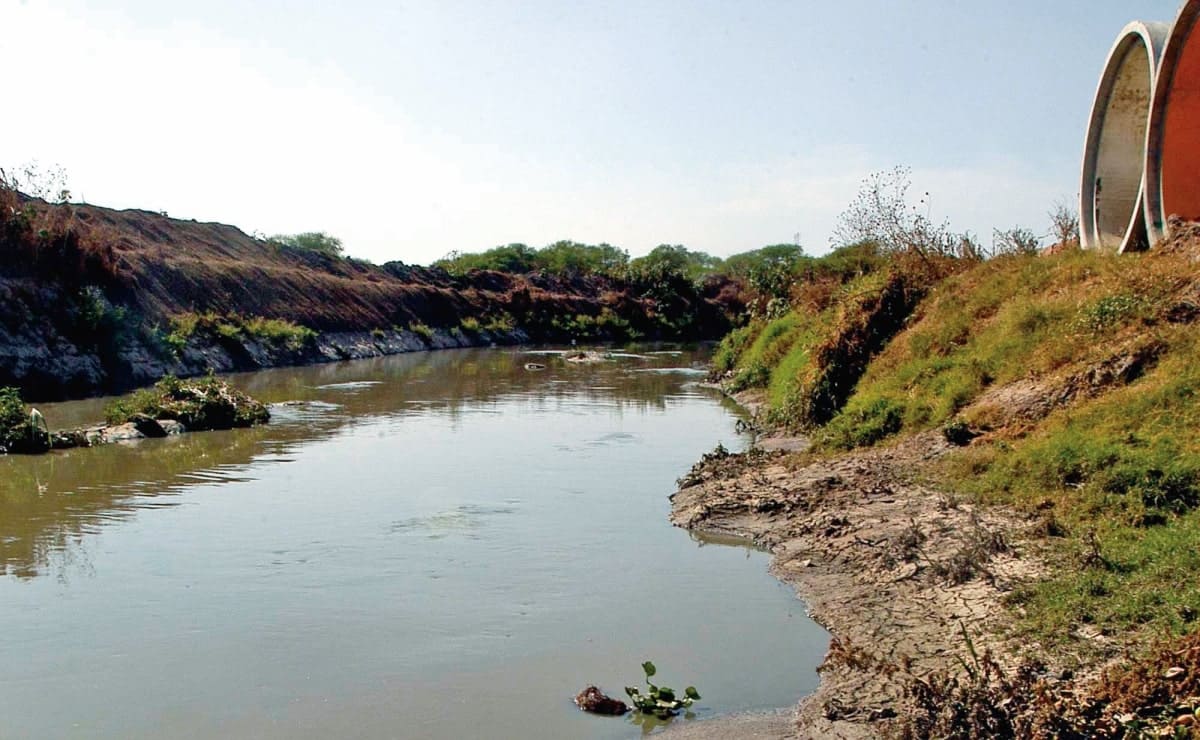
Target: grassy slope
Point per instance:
(1115, 472)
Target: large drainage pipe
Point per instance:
(1111, 203)
(1173, 139)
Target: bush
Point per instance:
(881, 214)
(19, 432)
(310, 241)
(1017, 240)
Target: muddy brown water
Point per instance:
(437, 545)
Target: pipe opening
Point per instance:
(1120, 155)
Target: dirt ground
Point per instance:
(882, 561)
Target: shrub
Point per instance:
(1017, 240)
(881, 214)
(19, 430)
(310, 241)
(1064, 224)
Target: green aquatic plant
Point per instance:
(661, 701)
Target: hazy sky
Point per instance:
(410, 129)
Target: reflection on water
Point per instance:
(427, 545)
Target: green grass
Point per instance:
(422, 330)
(1003, 320)
(1116, 471)
(769, 345)
(1147, 581)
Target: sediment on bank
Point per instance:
(998, 522)
(94, 300)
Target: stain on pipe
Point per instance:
(1173, 136)
(1111, 193)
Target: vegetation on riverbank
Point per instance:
(1072, 379)
(202, 404)
(280, 332)
(20, 431)
(1068, 383)
(94, 300)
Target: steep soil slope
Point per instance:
(89, 296)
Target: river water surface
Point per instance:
(435, 545)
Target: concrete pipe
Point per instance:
(1173, 138)
(1111, 203)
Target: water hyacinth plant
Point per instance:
(660, 701)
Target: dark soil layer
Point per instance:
(88, 296)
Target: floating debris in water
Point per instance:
(354, 385)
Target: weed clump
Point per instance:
(424, 331)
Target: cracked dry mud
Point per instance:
(882, 561)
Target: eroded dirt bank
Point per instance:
(94, 300)
(883, 561)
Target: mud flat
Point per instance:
(883, 561)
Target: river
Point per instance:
(433, 545)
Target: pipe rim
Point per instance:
(1181, 30)
(1147, 35)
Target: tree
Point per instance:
(675, 259)
(512, 258)
(572, 258)
(773, 257)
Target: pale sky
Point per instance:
(413, 128)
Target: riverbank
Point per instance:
(997, 517)
(98, 301)
(880, 559)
